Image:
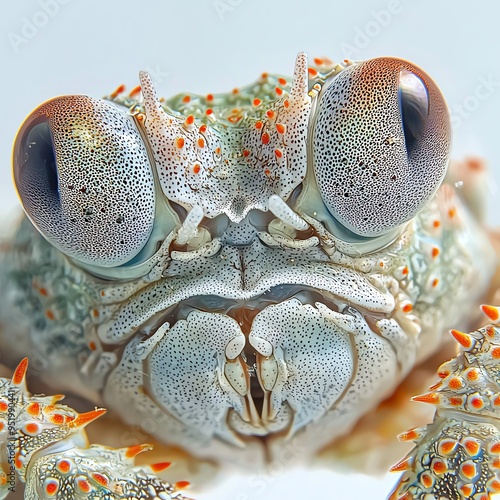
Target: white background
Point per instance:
(90, 47)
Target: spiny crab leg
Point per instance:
(44, 444)
(458, 455)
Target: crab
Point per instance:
(231, 273)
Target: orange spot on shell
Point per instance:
(258, 125)
(186, 99)
(427, 480)
(468, 470)
(210, 97)
(456, 401)
(83, 484)
(190, 119)
(4, 406)
(265, 138)
(18, 462)
(51, 487)
(495, 353)
(436, 223)
(466, 490)
(43, 291)
(278, 153)
(279, 91)
(246, 152)
(435, 283)
(495, 448)
(63, 466)
(472, 375)
(196, 168)
(405, 271)
(494, 485)
(201, 142)
(452, 212)
(472, 446)
(477, 403)
(256, 102)
(312, 72)
(235, 91)
(280, 128)
(95, 313)
(217, 150)
(286, 103)
(439, 467)
(92, 345)
(270, 114)
(50, 314)
(57, 419)
(179, 142)
(447, 446)
(100, 478)
(407, 308)
(435, 252)
(281, 81)
(209, 111)
(264, 75)
(455, 383)
(32, 428)
(203, 129)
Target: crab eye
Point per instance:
(85, 180)
(381, 143)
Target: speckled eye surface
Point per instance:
(381, 143)
(85, 180)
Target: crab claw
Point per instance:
(41, 442)
(458, 455)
